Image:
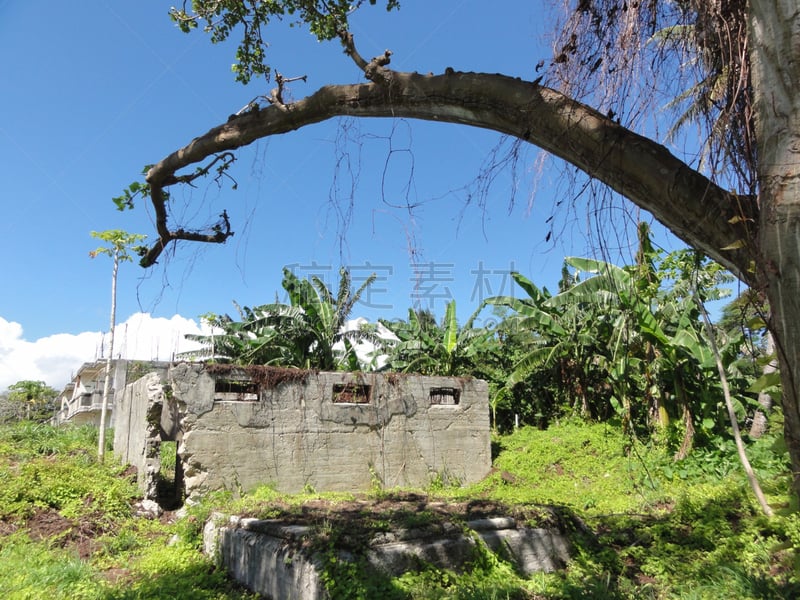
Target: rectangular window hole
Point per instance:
(445, 395)
(237, 391)
(351, 393)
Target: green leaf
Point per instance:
(450, 327)
(768, 381)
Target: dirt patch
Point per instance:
(129, 473)
(7, 528)
(117, 576)
(48, 525)
(405, 510)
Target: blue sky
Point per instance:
(94, 90)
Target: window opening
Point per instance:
(351, 393)
(238, 391)
(446, 395)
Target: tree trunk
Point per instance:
(775, 54)
(686, 415)
(101, 444)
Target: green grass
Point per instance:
(590, 468)
(69, 530)
(642, 526)
(32, 571)
(664, 529)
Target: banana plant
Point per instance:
(627, 337)
(658, 338)
(431, 349)
(309, 332)
(557, 340)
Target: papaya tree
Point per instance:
(740, 207)
(119, 245)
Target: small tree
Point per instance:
(32, 400)
(119, 243)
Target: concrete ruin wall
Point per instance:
(137, 432)
(238, 429)
(277, 560)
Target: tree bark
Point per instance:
(775, 55)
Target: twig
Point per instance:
(737, 436)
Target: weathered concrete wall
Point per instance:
(239, 429)
(137, 434)
(270, 565)
(274, 558)
(294, 434)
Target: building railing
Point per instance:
(87, 402)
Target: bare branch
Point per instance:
(227, 159)
(276, 95)
(374, 70)
(219, 234)
(350, 50)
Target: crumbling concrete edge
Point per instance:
(274, 558)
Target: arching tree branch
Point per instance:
(719, 223)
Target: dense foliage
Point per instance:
(624, 345)
(326, 19)
(28, 400)
(307, 333)
(641, 526)
(424, 347)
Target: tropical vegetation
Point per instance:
(726, 68)
(628, 342)
(616, 344)
(606, 408)
(309, 333)
(641, 525)
(28, 400)
(424, 347)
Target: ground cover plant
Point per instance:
(68, 526)
(642, 525)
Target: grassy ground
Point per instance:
(642, 526)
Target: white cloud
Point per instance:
(55, 358)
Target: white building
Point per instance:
(81, 400)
